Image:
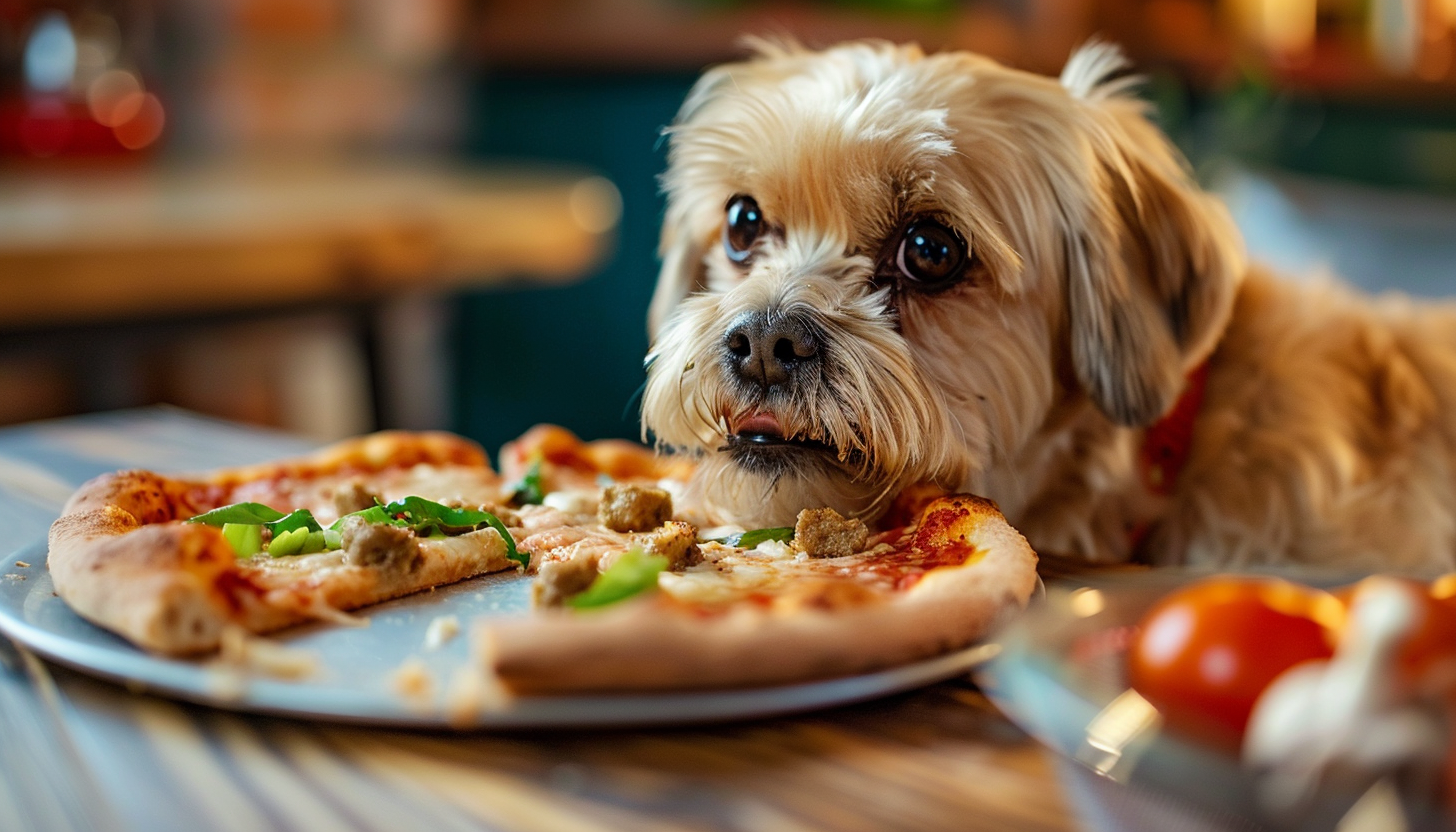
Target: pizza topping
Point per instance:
(825, 533)
(559, 580)
(299, 533)
(302, 541)
(426, 517)
(752, 539)
(572, 501)
(254, 514)
(528, 490)
(776, 550)
(634, 508)
(380, 544)
(633, 573)
(297, 520)
(675, 540)
(352, 497)
(245, 538)
(274, 522)
(251, 527)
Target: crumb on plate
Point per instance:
(412, 680)
(441, 629)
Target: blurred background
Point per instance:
(329, 216)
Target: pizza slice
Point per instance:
(170, 562)
(634, 596)
(658, 609)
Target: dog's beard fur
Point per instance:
(1075, 301)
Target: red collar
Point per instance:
(1167, 442)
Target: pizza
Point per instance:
(170, 562)
(632, 590)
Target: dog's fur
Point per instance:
(1102, 276)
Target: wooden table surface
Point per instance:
(84, 754)
(124, 286)
(82, 246)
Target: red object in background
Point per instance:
(54, 127)
(1203, 654)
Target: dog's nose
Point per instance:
(767, 348)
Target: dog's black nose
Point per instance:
(767, 348)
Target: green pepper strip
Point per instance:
(245, 538)
(632, 574)
(750, 539)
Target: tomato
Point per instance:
(1204, 653)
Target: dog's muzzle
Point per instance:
(775, 358)
(771, 350)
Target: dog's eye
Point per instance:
(931, 254)
(745, 223)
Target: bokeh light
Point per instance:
(145, 125)
(115, 97)
(50, 54)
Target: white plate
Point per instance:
(354, 681)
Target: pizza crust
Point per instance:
(119, 562)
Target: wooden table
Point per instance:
(106, 269)
(85, 246)
(82, 754)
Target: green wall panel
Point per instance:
(570, 355)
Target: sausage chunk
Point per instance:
(675, 540)
(825, 533)
(634, 508)
(559, 580)
(381, 545)
(353, 496)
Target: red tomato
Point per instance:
(1204, 653)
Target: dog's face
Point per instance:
(881, 268)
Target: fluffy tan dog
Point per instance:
(882, 267)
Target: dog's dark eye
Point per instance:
(745, 223)
(931, 254)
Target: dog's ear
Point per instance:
(1153, 262)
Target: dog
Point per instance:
(882, 268)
